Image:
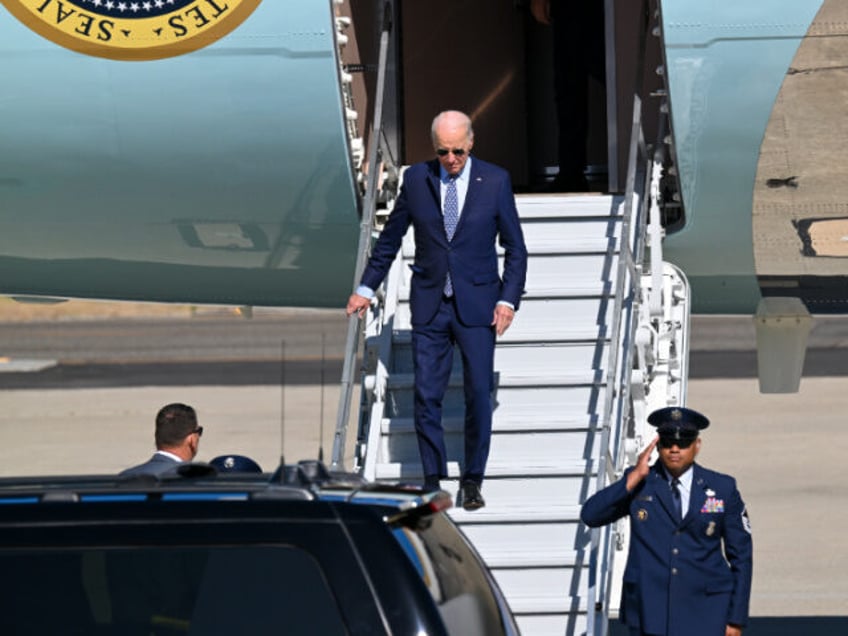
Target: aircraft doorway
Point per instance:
(494, 61)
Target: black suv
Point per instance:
(302, 551)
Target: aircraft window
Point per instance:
(164, 592)
(224, 236)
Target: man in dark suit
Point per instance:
(579, 54)
(177, 439)
(459, 207)
(690, 563)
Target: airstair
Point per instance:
(552, 390)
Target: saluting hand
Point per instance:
(503, 318)
(643, 465)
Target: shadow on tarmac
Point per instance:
(206, 373)
(702, 365)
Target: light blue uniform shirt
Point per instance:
(685, 488)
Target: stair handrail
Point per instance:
(616, 399)
(378, 148)
(617, 414)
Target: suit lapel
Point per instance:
(663, 490)
(697, 494)
(433, 181)
(475, 183)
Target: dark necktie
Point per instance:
(451, 215)
(675, 495)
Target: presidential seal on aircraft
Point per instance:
(130, 30)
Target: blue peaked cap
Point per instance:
(678, 422)
(235, 464)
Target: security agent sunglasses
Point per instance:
(198, 430)
(457, 152)
(668, 442)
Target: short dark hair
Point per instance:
(174, 422)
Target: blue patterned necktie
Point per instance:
(675, 495)
(451, 214)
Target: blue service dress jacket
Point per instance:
(683, 578)
(488, 216)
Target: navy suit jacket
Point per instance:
(488, 215)
(689, 577)
(156, 465)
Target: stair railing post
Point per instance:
(365, 228)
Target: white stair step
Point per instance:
(526, 492)
(561, 319)
(586, 236)
(544, 421)
(542, 320)
(577, 377)
(542, 449)
(512, 515)
(542, 502)
(541, 507)
(596, 234)
(551, 624)
(555, 365)
(523, 358)
(559, 276)
(411, 470)
(544, 589)
(572, 275)
(553, 206)
(523, 545)
(579, 405)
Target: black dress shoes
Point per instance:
(432, 484)
(472, 498)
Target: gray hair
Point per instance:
(459, 117)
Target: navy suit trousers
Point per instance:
(432, 351)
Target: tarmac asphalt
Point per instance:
(92, 411)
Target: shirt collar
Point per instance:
(686, 480)
(171, 455)
(462, 176)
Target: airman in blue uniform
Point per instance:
(690, 562)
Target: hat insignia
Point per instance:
(676, 414)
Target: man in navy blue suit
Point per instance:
(690, 563)
(459, 207)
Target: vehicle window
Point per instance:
(166, 591)
(455, 577)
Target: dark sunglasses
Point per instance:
(457, 152)
(668, 442)
(198, 430)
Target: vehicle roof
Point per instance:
(305, 481)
